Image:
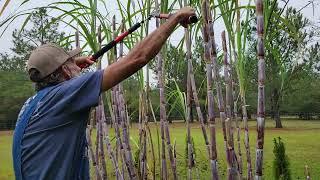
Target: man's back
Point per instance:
(53, 144)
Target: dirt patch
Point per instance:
(292, 129)
(6, 133)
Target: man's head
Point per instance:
(49, 64)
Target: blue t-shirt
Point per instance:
(53, 142)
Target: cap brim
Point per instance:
(75, 52)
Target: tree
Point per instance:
(42, 31)
(305, 95)
(16, 86)
(286, 55)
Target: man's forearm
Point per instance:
(152, 44)
(140, 55)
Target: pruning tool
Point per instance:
(111, 44)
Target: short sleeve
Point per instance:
(82, 92)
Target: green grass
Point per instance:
(301, 139)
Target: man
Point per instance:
(49, 139)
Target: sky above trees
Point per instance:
(310, 12)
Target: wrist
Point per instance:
(177, 17)
(78, 60)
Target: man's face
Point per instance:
(71, 69)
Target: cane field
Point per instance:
(301, 139)
(215, 89)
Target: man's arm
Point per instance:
(143, 52)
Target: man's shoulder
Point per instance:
(83, 78)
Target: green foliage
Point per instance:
(15, 85)
(281, 161)
(290, 61)
(306, 153)
(176, 76)
(137, 158)
(14, 90)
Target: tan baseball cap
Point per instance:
(49, 57)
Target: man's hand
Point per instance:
(184, 14)
(83, 61)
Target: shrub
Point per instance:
(281, 161)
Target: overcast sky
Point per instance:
(5, 40)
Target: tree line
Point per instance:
(292, 66)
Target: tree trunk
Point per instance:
(275, 104)
(272, 108)
(277, 117)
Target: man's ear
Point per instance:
(66, 72)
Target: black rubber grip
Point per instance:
(104, 49)
(114, 42)
(193, 19)
(134, 27)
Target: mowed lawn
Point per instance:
(302, 141)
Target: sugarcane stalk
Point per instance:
(125, 150)
(249, 174)
(235, 111)
(246, 138)
(120, 56)
(233, 104)
(190, 149)
(152, 153)
(114, 58)
(125, 131)
(125, 134)
(216, 79)
(165, 121)
(100, 110)
(232, 171)
(146, 127)
(127, 117)
(163, 170)
(261, 91)
(97, 142)
(92, 154)
(166, 126)
(232, 161)
(103, 131)
(142, 138)
(119, 147)
(119, 174)
(158, 137)
(122, 145)
(228, 81)
(197, 103)
(101, 156)
(144, 173)
(211, 116)
(122, 119)
(147, 118)
(101, 147)
(198, 108)
(142, 165)
(188, 120)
